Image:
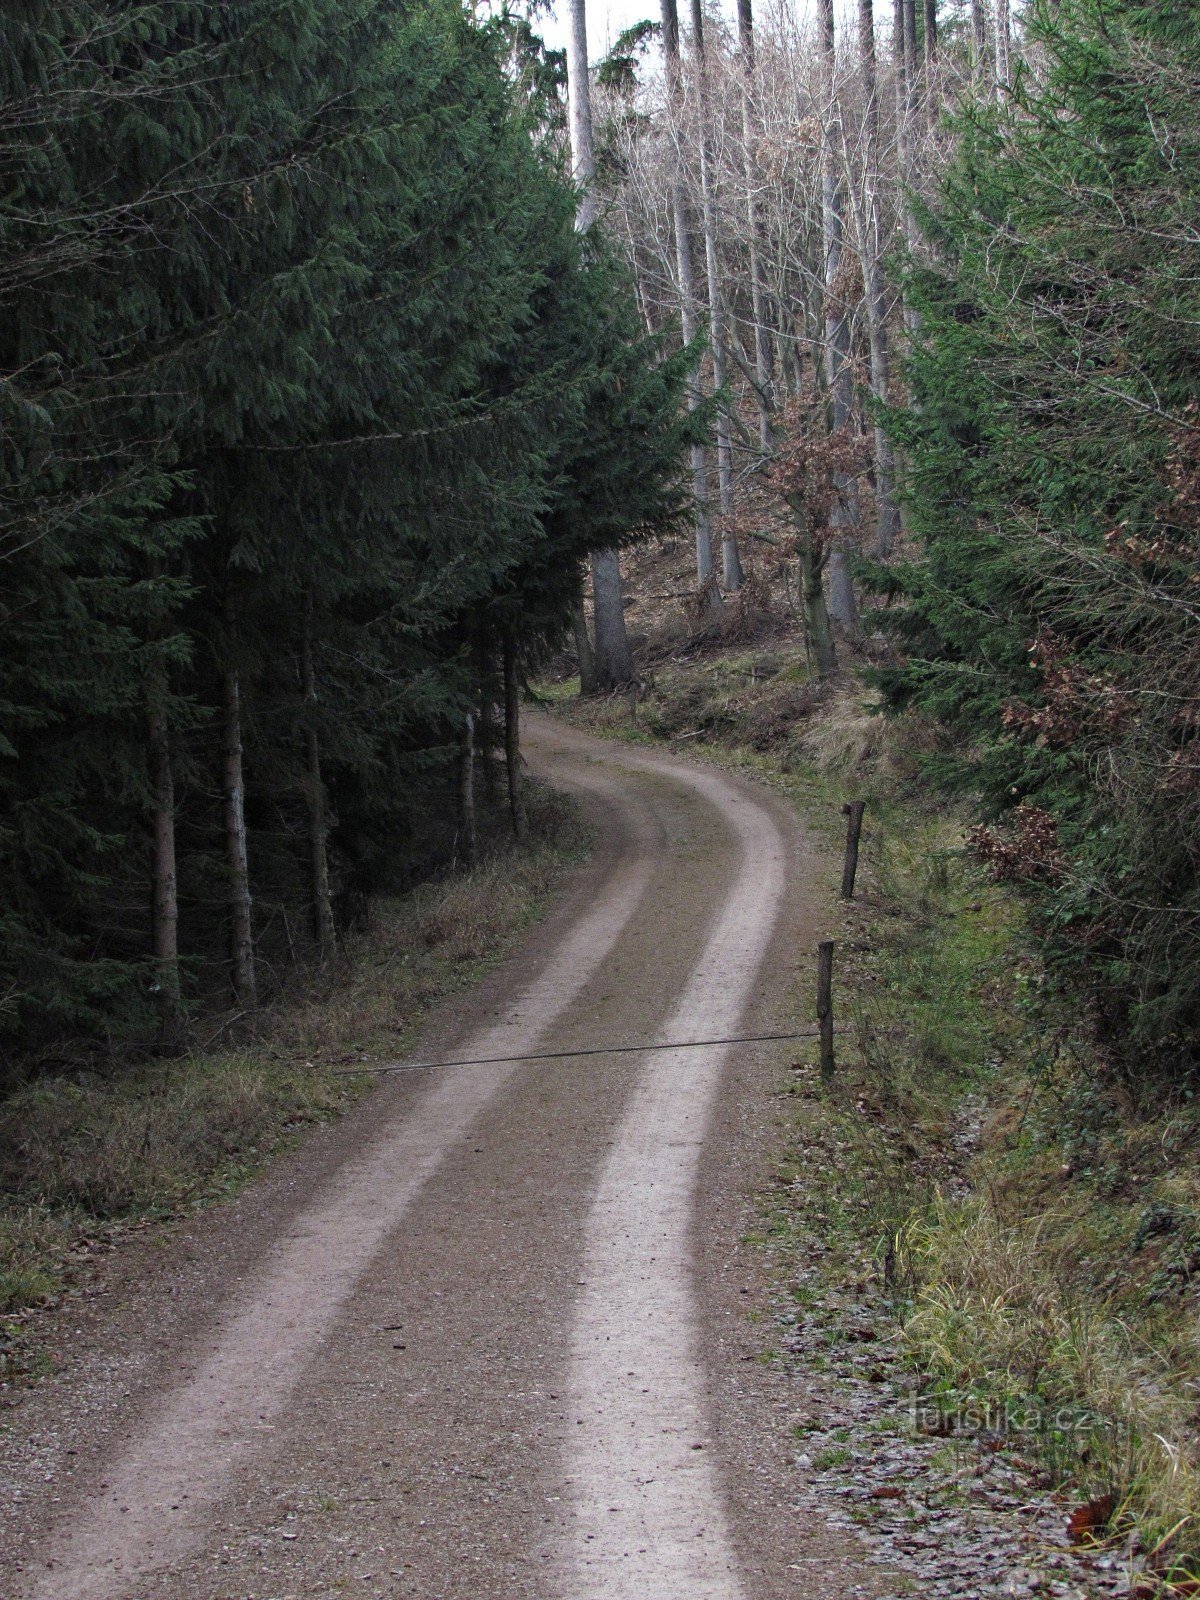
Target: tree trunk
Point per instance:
(316, 798)
(579, 95)
(583, 649)
(685, 270)
(910, 47)
(614, 663)
(731, 559)
(1003, 44)
(904, 72)
(839, 375)
(241, 917)
(614, 660)
(487, 720)
(758, 307)
(816, 615)
(512, 738)
(468, 837)
(979, 42)
(874, 282)
(164, 909)
(931, 55)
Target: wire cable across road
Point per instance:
(595, 1050)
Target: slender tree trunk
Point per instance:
(487, 721)
(932, 106)
(686, 273)
(614, 662)
(164, 910)
(241, 915)
(467, 833)
(758, 298)
(512, 738)
(316, 798)
(874, 281)
(579, 97)
(842, 604)
(816, 613)
(979, 41)
(1003, 44)
(583, 649)
(910, 48)
(730, 556)
(905, 68)
(698, 456)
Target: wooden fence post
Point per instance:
(825, 1004)
(854, 813)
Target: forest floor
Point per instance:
(975, 1230)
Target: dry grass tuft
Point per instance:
(852, 737)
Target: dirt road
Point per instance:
(490, 1335)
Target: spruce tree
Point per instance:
(1054, 480)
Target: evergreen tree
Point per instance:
(308, 379)
(1055, 481)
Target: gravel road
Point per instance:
(492, 1335)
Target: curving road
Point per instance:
(487, 1337)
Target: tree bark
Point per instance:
(1003, 44)
(730, 556)
(614, 662)
(875, 284)
(579, 96)
(164, 910)
(910, 46)
(614, 659)
(583, 649)
(468, 836)
(685, 271)
(758, 298)
(485, 678)
(979, 44)
(931, 54)
(906, 91)
(512, 739)
(316, 798)
(241, 914)
(842, 604)
(816, 614)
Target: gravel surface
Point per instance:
(492, 1334)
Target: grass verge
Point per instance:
(86, 1156)
(975, 1176)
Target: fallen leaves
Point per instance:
(1088, 1523)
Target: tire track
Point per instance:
(155, 1493)
(649, 1521)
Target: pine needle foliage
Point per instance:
(305, 378)
(1053, 445)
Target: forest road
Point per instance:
(491, 1334)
